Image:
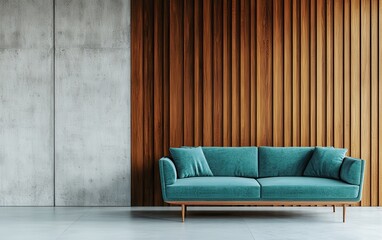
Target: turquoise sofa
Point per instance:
(264, 176)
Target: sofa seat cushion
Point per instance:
(214, 189)
(306, 189)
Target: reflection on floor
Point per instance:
(238, 223)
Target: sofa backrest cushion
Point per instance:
(232, 161)
(283, 161)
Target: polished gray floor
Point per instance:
(201, 223)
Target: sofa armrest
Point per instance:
(167, 172)
(352, 171)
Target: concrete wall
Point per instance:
(26, 103)
(65, 117)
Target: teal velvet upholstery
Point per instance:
(352, 170)
(167, 172)
(214, 189)
(283, 161)
(307, 189)
(232, 161)
(325, 162)
(190, 162)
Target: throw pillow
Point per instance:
(325, 162)
(190, 162)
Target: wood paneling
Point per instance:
(305, 72)
(313, 73)
(278, 73)
(198, 72)
(188, 86)
(207, 73)
(296, 72)
(347, 76)
(227, 61)
(158, 91)
(137, 173)
(329, 73)
(288, 73)
(218, 73)
(235, 81)
(374, 164)
(365, 94)
(176, 74)
(255, 72)
(245, 110)
(338, 80)
(379, 103)
(264, 72)
(148, 104)
(321, 73)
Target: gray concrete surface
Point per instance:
(26, 24)
(92, 23)
(92, 103)
(26, 103)
(241, 223)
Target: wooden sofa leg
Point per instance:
(334, 208)
(183, 212)
(344, 213)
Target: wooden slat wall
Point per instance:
(255, 72)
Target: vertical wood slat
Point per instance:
(329, 73)
(136, 108)
(245, 111)
(321, 67)
(148, 104)
(158, 97)
(278, 71)
(207, 73)
(321, 73)
(217, 73)
(313, 72)
(198, 72)
(338, 65)
(253, 74)
(365, 95)
(166, 78)
(347, 77)
(264, 72)
(355, 96)
(287, 72)
(355, 79)
(296, 73)
(227, 62)
(305, 73)
(380, 101)
(235, 73)
(188, 75)
(374, 165)
(176, 70)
